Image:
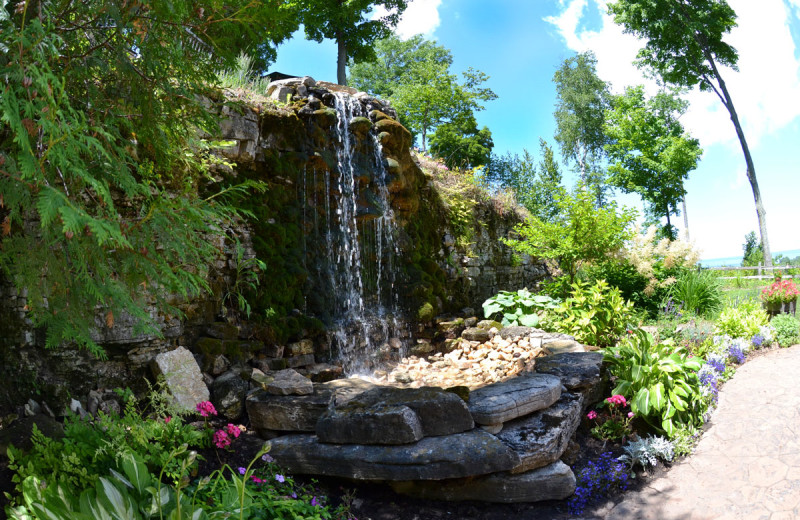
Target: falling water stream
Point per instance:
(359, 241)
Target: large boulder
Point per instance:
(553, 482)
(433, 458)
(228, 392)
(293, 413)
(522, 395)
(182, 376)
(371, 417)
(542, 437)
(289, 382)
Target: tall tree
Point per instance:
(648, 150)
(685, 47)
(394, 63)
(345, 22)
(461, 144)
(580, 114)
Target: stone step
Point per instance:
(553, 482)
(542, 437)
(432, 458)
(579, 372)
(379, 416)
(293, 413)
(517, 397)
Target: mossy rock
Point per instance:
(426, 312)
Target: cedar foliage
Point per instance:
(100, 159)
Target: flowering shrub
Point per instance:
(780, 291)
(651, 258)
(596, 480)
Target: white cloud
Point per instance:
(420, 17)
(765, 91)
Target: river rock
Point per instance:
(476, 334)
(553, 482)
(182, 376)
(345, 390)
(506, 400)
(432, 458)
(542, 437)
(228, 392)
(293, 413)
(579, 372)
(289, 382)
(388, 425)
(561, 346)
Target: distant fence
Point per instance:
(759, 268)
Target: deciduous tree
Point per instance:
(685, 47)
(648, 150)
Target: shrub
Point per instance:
(517, 308)
(660, 381)
(787, 329)
(655, 260)
(742, 321)
(699, 292)
(633, 285)
(647, 452)
(594, 314)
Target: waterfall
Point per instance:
(359, 241)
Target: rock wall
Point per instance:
(289, 141)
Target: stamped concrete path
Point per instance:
(747, 463)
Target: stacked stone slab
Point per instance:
(424, 441)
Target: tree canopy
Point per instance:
(685, 47)
(461, 144)
(580, 114)
(104, 203)
(345, 22)
(415, 75)
(649, 152)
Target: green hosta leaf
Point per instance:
(490, 309)
(657, 397)
(137, 472)
(529, 320)
(668, 426)
(679, 403)
(118, 504)
(622, 388)
(639, 372)
(641, 402)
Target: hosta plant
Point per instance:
(659, 380)
(517, 308)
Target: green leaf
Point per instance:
(529, 320)
(641, 402)
(657, 396)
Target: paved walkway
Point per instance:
(747, 464)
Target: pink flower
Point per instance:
(167, 419)
(257, 480)
(617, 400)
(630, 415)
(205, 408)
(591, 415)
(221, 439)
(233, 430)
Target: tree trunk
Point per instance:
(751, 170)
(341, 60)
(685, 219)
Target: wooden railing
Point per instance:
(759, 268)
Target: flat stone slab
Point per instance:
(553, 482)
(542, 437)
(433, 458)
(182, 376)
(378, 416)
(289, 382)
(386, 425)
(517, 397)
(560, 346)
(579, 372)
(345, 390)
(294, 413)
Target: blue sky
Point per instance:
(520, 44)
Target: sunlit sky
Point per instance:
(521, 43)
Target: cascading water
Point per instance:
(359, 241)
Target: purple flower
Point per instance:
(242, 471)
(736, 353)
(758, 340)
(280, 478)
(267, 458)
(294, 495)
(314, 502)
